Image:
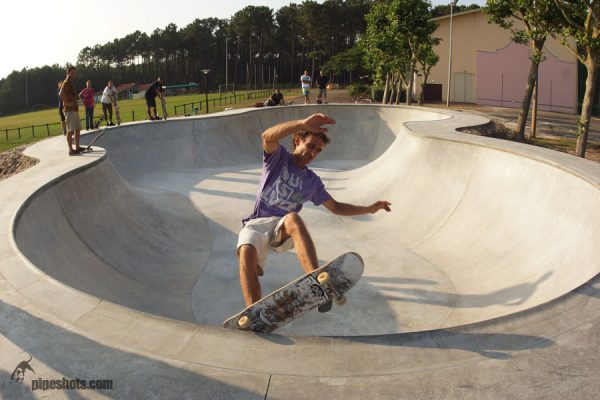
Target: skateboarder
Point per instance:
(286, 184)
(109, 97)
(155, 89)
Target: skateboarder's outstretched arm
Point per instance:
(351, 209)
(314, 123)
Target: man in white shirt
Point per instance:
(109, 97)
(306, 80)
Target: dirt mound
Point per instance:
(14, 161)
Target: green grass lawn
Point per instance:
(130, 110)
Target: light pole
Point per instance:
(206, 71)
(452, 4)
(250, 59)
(300, 41)
(26, 91)
(226, 63)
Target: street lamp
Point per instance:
(206, 71)
(452, 4)
(250, 59)
(26, 91)
(226, 63)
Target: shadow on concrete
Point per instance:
(277, 339)
(489, 345)
(256, 174)
(231, 179)
(591, 289)
(220, 193)
(510, 296)
(71, 355)
(399, 280)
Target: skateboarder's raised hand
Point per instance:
(273, 135)
(315, 123)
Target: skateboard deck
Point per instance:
(164, 109)
(118, 115)
(303, 294)
(88, 148)
(97, 125)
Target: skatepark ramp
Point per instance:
(479, 229)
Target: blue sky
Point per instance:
(40, 32)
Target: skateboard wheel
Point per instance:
(244, 322)
(340, 301)
(323, 278)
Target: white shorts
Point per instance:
(264, 234)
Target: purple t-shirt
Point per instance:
(284, 187)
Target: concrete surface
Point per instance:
(123, 264)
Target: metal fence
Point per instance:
(22, 133)
(198, 106)
(28, 133)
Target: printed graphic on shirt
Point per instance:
(285, 192)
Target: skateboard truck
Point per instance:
(323, 279)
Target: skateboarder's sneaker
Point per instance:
(323, 308)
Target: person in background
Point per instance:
(276, 99)
(154, 90)
(87, 96)
(305, 80)
(108, 99)
(68, 96)
(63, 123)
(322, 81)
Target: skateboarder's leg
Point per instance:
(249, 274)
(105, 112)
(77, 136)
(70, 140)
(294, 227)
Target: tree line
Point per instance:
(263, 46)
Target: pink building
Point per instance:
(489, 69)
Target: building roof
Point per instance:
(457, 14)
(182, 85)
(143, 86)
(125, 86)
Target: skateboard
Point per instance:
(88, 148)
(118, 115)
(99, 121)
(164, 109)
(303, 294)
